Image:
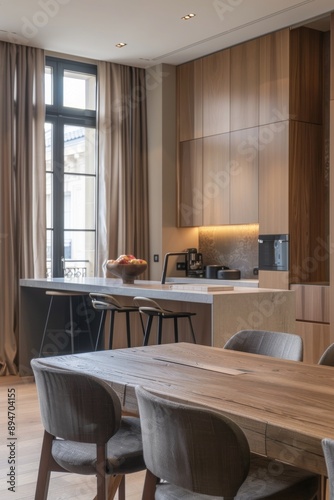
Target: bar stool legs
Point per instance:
(71, 331)
(104, 303)
(153, 309)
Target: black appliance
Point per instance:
(194, 263)
(273, 252)
(211, 271)
(229, 274)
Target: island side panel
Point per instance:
(267, 310)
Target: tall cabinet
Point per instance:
(252, 132)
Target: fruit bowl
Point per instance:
(126, 271)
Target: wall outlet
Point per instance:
(156, 257)
(180, 266)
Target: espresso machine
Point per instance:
(194, 263)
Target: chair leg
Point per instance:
(128, 334)
(44, 471)
(112, 322)
(149, 486)
(142, 324)
(101, 327)
(101, 475)
(176, 332)
(71, 325)
(88, 322)
(192, 329)
(159, 329)
(113, 486)
(45, 327)
(148, 330)
(47, 464)
(121, 489)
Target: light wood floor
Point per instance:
(29, 433)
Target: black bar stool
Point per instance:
(104, 303)
(72, 328)
(153, 309)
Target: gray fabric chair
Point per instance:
(277, 344)
(84, 431)
(152, 309)
(200, 454)
(328, 447)
(327, 357)
(105, 302)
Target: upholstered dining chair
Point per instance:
(328, 448)
(277, 344)
(84, 431)
(327, 357)
(201, 454)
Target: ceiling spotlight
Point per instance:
(120, 45)
(188, 16)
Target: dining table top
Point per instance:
(284, 407)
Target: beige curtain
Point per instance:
(123, 190)
(22, 185)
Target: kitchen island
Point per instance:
(220, 312)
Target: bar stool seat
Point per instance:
(71, 328)
(152, 309)
(104, 303)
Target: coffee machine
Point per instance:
(194, 263)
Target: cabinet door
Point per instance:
(274, 178)
(306, 75)
(274, 77)
(189, 100)
(245, 85)
(244, 176)
(190, 184)
(216, 93)
(216, 180)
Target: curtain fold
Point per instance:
(122, 150)
(22, 185)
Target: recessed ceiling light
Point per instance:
(120, 45)
(187, 17)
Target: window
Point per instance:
(71, 173)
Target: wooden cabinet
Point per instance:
(189, 100)
(274, 178)
(306, 75)
(190, 183)
(216, 93)
(245, 60)
(216, 180)
(244, 157)
(274, 77)
(313, 317)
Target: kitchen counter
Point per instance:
(219, 314)
(250, 283)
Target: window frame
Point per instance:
(59, 116)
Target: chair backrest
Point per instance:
(147, 305)
(191, 447)
(76, 406)
(104, 301)
(327, 357)
(328, 448)
(277, 344)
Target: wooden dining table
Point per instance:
(284, 407)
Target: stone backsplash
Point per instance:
(232, 246)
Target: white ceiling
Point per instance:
(152, 29)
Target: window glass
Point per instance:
(79, 90)
(70, 138)
(48, 80)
